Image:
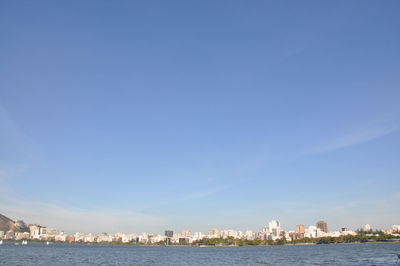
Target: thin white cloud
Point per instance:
(354, 138)
(199, 194)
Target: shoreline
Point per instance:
(11, 242)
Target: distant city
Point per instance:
(272, 231)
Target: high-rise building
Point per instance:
(323, 226)
(273, 229)
(169, 234)
(300, 228)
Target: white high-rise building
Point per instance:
(198, 236)
(311, 231)
(249, 234)
(273, 230)
(34, 231)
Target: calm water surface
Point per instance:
(75, 254)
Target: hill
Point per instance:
(6, 223)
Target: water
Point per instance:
(76, 254)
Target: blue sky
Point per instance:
(150, 115)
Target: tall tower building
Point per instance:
(323, 226)
(274, 228)
(300, 228)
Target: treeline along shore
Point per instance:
(361, 237)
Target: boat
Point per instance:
(24, 242)
(1, 242)
(47, 243)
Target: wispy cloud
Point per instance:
(199, 194)
(354, 138)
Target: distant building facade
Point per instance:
(323, 226)
(396, 228)
(273, 230)
(367, 228)
(300, 228)
(169, 233)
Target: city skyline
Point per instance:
(268, 227)
(199, 114)
(272, 230)
(271, 234)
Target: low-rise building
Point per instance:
(21, 235)
(9, 235)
